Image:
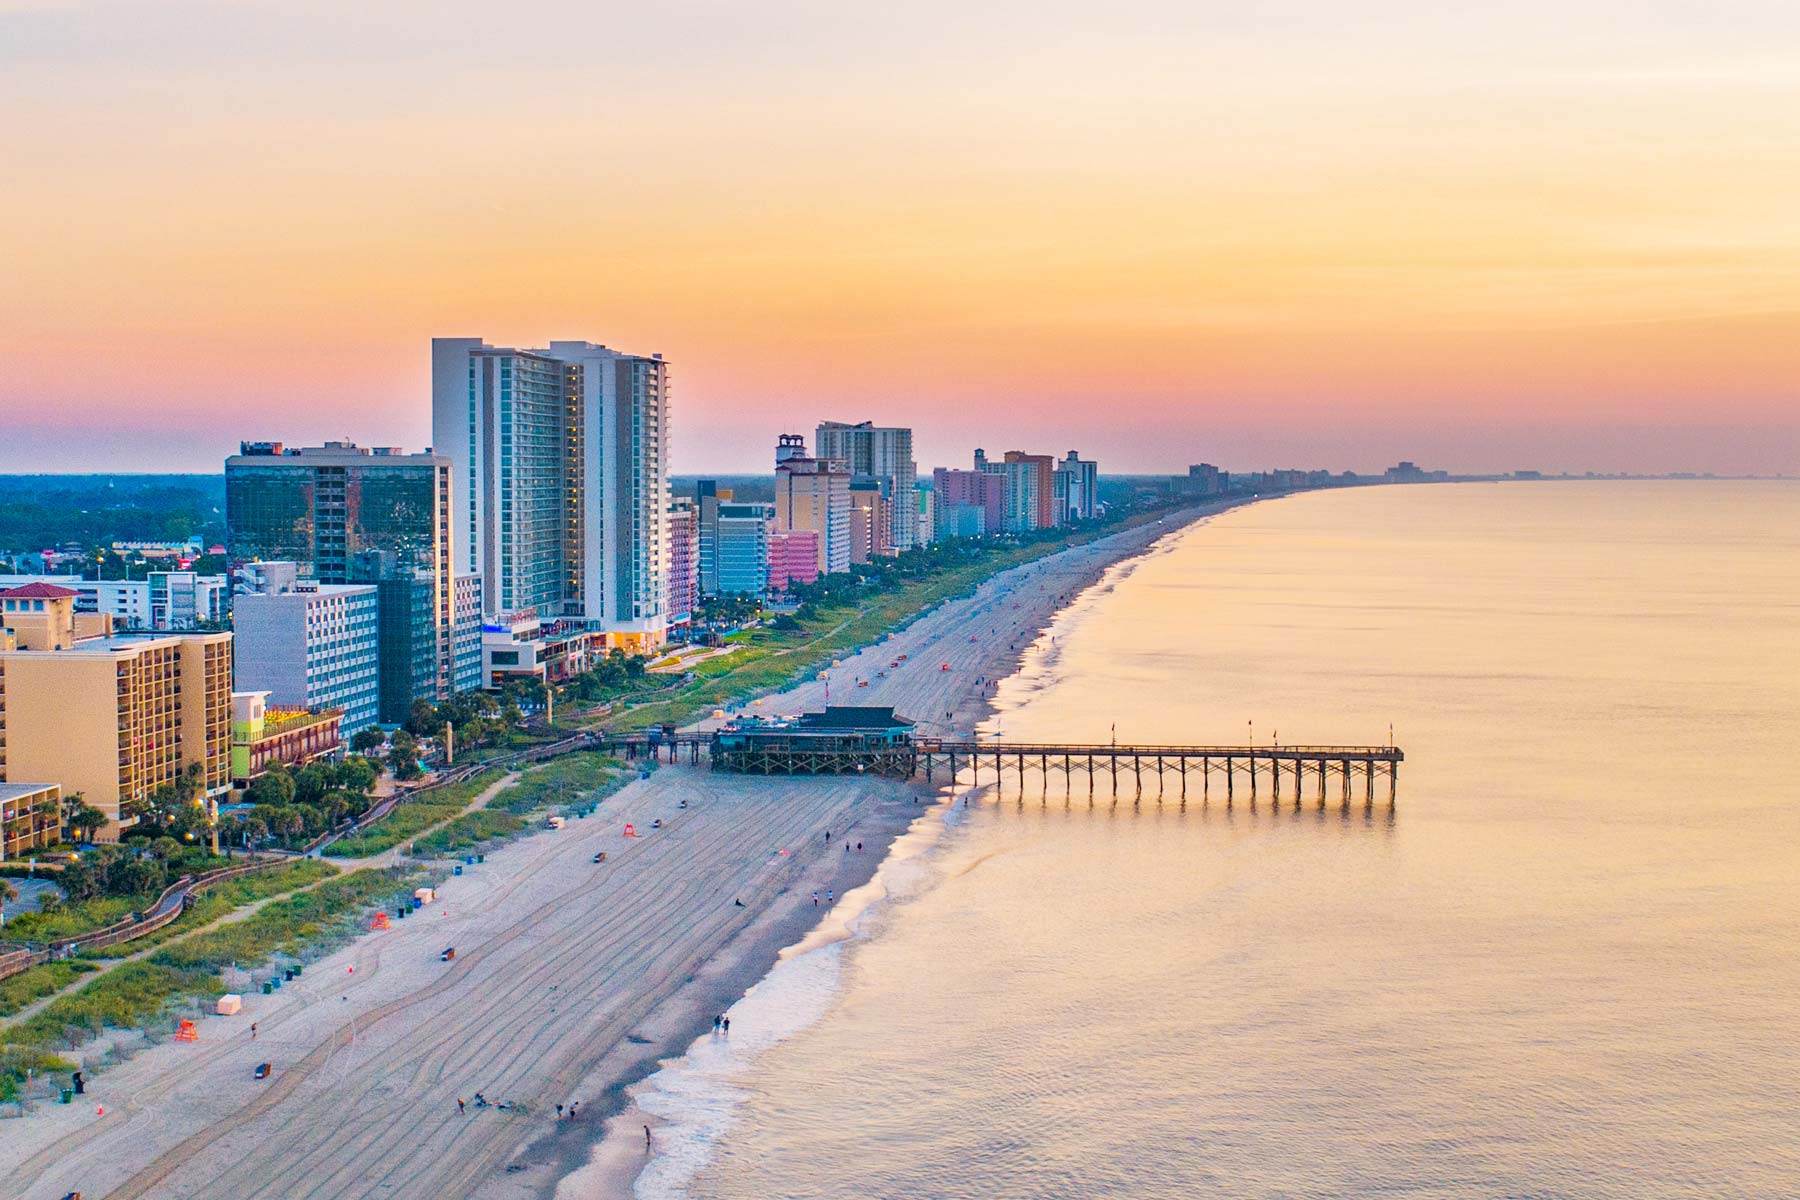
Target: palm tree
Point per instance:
(8, 893)
(78, 816)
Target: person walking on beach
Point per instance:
(559, 1112)
(716, 1023)
(253, 1031)
(859, 847)
(462, 1109)
(646, 1137)
(727, 1024)
(815, 898)
(572, 1109)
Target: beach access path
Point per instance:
(560, 962)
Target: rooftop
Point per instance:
(853, 716)
(11, 792)
(39, 591)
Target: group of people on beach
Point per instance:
(482, 1101)
(721, 1024)
(830, 896)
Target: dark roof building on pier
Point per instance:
(842, 740)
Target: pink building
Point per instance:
(793, 557)
(969, 503)
(684, 562)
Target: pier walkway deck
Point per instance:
(1295, 772)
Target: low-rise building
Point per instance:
(166, 601)
(524, 646)
(263, 736)
(30, 817)
(111, 716)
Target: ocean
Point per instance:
(1563, 965)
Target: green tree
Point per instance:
(253, 830)
(274, 787)
(367, 740)
(312, 781)
(403, 758)
(356, 775)
(81, 819)
(423, 720)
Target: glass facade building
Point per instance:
(347, 514)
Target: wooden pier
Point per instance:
(1274, 772)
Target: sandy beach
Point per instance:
(571, 979)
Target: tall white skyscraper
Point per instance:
(884, 452)
(561, 487)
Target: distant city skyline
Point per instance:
(1540, 235)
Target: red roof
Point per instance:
(39, 591)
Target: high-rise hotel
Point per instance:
(561, 480)
(347, 514)
(883, 453)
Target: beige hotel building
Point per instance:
(110, 717)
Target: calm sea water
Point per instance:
(1565, 966)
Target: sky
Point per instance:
(1297, 233)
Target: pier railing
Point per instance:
(1284, 770)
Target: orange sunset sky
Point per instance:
(1533, 234)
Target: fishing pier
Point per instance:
(875, 741)
(1296, 772)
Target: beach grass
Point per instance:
(468, 831)
(411, 818)
(133, 994)
(19, 1063)
(224, 898)
(571, 777)
(73, 918)
(28, 987)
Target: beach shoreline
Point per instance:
(608, 1169)
(572, 981)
